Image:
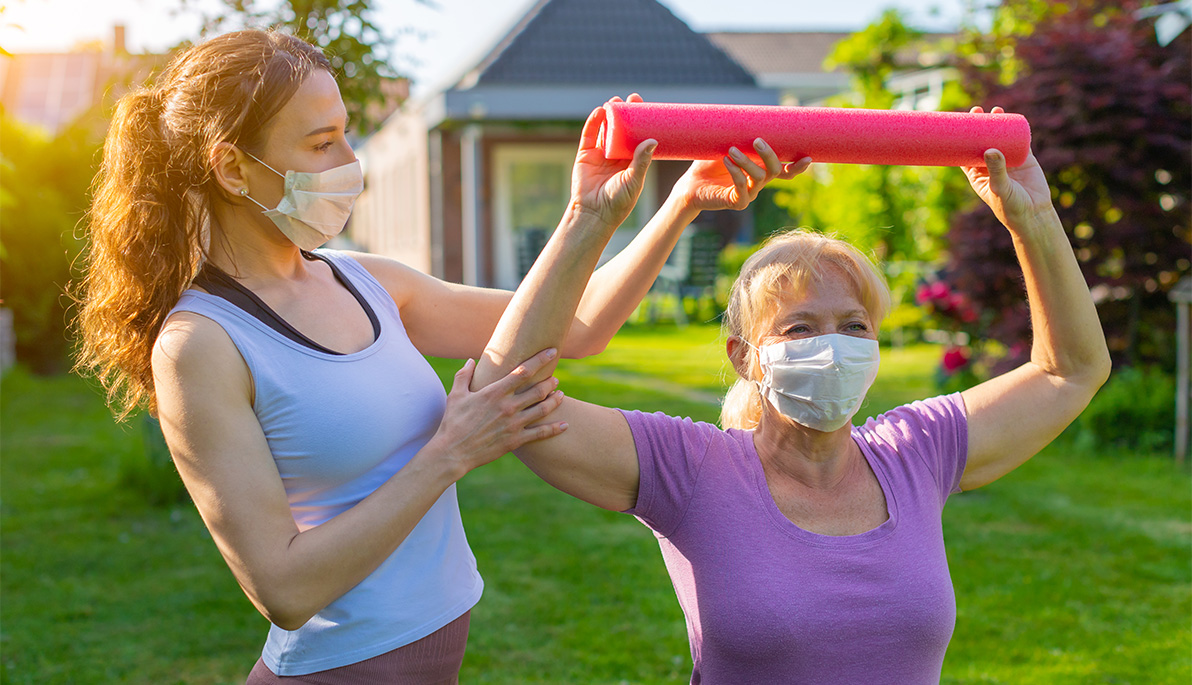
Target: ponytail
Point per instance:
(153, 194)
(144, 251)
(742, 406)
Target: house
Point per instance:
(467, 183)
(791, 63)
(53, 90)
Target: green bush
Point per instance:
(1135, 410)
(43, 197)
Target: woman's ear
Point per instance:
(230, 167)
(738, 354)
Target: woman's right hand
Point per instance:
(734, 181)
(608, 188)
(479, 427)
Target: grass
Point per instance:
(1076, 568)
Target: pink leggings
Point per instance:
(433, 660)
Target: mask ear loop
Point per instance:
(244, 191)
(262, 163)
(757, 385)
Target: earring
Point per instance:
(244, 192)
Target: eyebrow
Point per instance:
(803, 314)
(320, 131)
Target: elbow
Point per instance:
(1088, 378)
(588, 350)
(286, 608)
(1100, 367)
(1103, 369)
(287, 615)
(584, 342)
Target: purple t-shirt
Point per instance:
(769, 602)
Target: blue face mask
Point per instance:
(818, 382)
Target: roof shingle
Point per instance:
(613, 41)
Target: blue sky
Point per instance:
(444, 40)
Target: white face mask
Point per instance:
(315, 206)
(818, 382)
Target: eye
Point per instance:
(798, 329)
(323, 147)
(856, 327)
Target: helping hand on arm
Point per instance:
(1013, 416)
(595, 459)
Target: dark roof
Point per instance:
(578, 42)
(789, 52)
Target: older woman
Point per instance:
(804, 549)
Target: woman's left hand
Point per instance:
(1017, 196)
(607, 188)
(734, 181)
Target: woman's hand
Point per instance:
(478, 427)
(1017, 196)
(607, 188)
(734, 181)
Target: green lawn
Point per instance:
(1077, 568)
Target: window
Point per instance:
(532, 184)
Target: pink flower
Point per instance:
(922, 295)
(963, 307)
(955, 358)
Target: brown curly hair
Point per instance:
(154, 190)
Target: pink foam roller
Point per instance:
(826, 134)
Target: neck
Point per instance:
(813, 458)
(250, 248)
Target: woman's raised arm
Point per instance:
(595, 458)
(1013, 416)
(456, 321)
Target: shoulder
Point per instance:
(919, 420)
(659, 434)
(194, 351)
(399, 280)
(930, 434)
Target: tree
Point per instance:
(1111, 115)
(43, 196)
(360, 51)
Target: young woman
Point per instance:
(804, 549)
(316, 442)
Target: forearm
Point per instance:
(1068, 341)
(321, 564)
(617, 287)
(542, 310)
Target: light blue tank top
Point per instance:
(338, 427)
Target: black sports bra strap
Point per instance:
(216, 282)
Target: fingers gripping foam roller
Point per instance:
(826, 134)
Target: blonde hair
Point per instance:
(787, 261)
(155, 188)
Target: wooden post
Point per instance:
(1181, 295)
(1181, 383)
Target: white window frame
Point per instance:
(504, 247)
